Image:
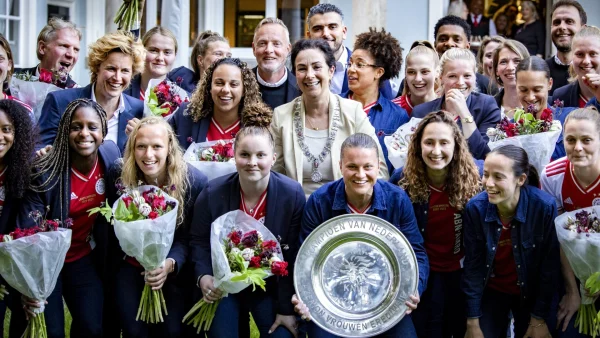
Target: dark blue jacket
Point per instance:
(285, 205)
(8, 217)
(32, 201)
(389, 203)
(422, 209)
(486, 114)
(535, 248)
(569, 94)
(189, 79)
(291, 89)
(385, 88)
(179, 249)
(134, 87)
(56, 103)
(386, 117)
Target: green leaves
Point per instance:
(154, 106)
(254, 276)
(127, 213)
(592, 284)
(104, 210)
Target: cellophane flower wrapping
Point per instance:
(221, 227)
(148, 240)
(397, 143)
(32, 264)
(32, 92)
(539, 147)
(212, 169)
(174, 89)
(581, 249)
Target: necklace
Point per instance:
(316, 176)
(311, 125)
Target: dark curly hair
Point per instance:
(385, 49)
(318, 44)
(19, 157)
(451, 20)
(461, 169)
(202, 105)
(257, 122)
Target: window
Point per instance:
(10, 21)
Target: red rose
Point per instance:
(52, 225)
(254, 262)
(250, 239)
(279, 268)
(546, 115)
(153, 214)
(235, 237)
(229, 150)
(177, 100)
(162, 88)
(45, 76)
(270, 244)
(511, 130)
(127, 200)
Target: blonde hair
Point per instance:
(274, 21)
(455, 54)
(423, 47)
(177, 170)
(201, 45)
(49, 32)
(586, 32)
(119, 41)
(531, 5)
(515, 47)
(481, 53)
(162, 31)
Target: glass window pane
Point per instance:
(3, 27)
(3, 7)
(14, 7)
(13, 38)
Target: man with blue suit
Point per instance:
(326, 21)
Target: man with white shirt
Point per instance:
(58, 45)
(326, 21)
(480, 25)
(271, 47)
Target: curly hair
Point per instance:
(18, 158)
(57, 162)
(119, 41)
(177, 170)
(461, 169)
(385, 49)
(202, 105)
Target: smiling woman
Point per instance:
(113, 60)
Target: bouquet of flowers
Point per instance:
(244, 252)
(579, 236)
(537, 137)
(163, 98)
(397, 143)
(33, 89)
(145, 219)
(213, 158)
(31, 261)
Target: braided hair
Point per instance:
(57, 162)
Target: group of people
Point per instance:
(309, 146)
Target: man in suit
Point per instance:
(271, 47)
(568, 16)
(58, 45)
(326, 21)
(480, 25)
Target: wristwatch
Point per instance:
(468, 119)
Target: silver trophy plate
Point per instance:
(355, 273)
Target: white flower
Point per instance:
(235, 251)
(247, 254)
(207, 154)
(491, 132)
(555, 126)
(274, 259)
(145, 209)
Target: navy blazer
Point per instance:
(486, 114)
(291, 88)
(70, 82)
(56, 103)
(386, 117)
(34, 201)
(134, 87)
(187, 130)
(285, 205)
(483, 85)
(8, 217)
(189, 79)
(535, 249)
(180, 248)
(569, 94)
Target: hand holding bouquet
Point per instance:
(145, 219)
(579, 236)
(537, 136)
(244, 253)
(163, 98)
(31, 261)
(213, 158)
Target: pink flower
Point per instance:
(279, 268)
(270, 244)
(127, 200)
(159, 203)
(45, 75)
(254, 262)
(153, 215)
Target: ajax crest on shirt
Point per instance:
(100, 186)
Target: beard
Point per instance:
(563, 48)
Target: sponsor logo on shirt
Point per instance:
(568, 201)
(73, 196)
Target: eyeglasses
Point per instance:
(360, 65)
